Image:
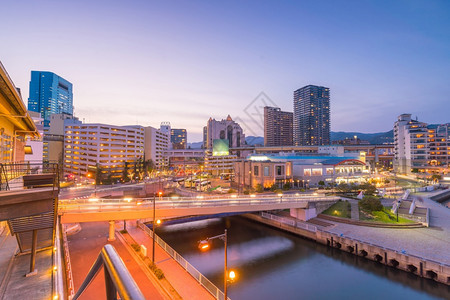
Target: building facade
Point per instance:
(156, 144)
(50, 94)
(15, 123)
(312, 116)
(178, 138)
(420, 147)
(278, 127)
(226, 129)
(108, 147)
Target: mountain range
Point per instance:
(373, 138)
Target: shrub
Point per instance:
(259, 188)
(123, 231)
(287, 186)
(246, 192)
(274, 187)
(231, 191)
(370, 204)
(159, 273)
(136, 247)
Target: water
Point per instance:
(271, 264)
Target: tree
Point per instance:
(368, 189)
(370, 204)
(343, 187)
(98, 175)
(321, 183)
(287, 186)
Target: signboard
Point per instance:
(220, 147)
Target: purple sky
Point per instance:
(143, 62)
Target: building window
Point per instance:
(256, 170)
(316, 172)
(329, 171)
(266, 171)
(280, 170)
(307, 172)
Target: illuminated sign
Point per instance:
(220, 147)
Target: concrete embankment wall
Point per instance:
(390, 257)
(442, 197)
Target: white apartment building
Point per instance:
(419, 146)
(108, 146)
(156, 143)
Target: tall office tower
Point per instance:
(312, 116)
(277, 127)
(226, 129)
(50, 94)
(157, 141)
(178, 137)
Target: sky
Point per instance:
(146, 62)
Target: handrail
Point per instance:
(117, 277)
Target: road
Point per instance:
(84, 248)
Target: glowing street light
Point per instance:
(205, 245)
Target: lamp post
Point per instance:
(155, 223)
(204, 245)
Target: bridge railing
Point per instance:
(147, 203)
(205, 282)
(290, 222)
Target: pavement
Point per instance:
(431, 243)
(13, 283)
(186, 286)
(84, 248)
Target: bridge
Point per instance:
(94, 209)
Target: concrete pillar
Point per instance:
(112, 229)
(303, 214)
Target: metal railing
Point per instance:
(289, 221)
(68, 265)
(117, 278)
(11, 174)
(205, 282)
(95, 204)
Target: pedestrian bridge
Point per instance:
(94, 209)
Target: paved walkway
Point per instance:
(431, 243)
(354, 209)
(84, 248)
(186, 286)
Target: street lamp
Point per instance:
(204, 245)
(155, 223)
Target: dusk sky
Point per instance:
(145, 62)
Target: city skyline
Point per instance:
(383, 61)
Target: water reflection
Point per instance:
(273, 264)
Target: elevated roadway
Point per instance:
(92, 210)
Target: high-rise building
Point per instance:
(420, 147)
(225, 130)
(312, 116)
(157, 142)
(49, 94)
(278, 126)
(178, 137)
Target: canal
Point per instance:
(272, 264)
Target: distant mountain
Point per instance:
(254, 140)
(196, 145)
(373, 138)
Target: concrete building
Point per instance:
(157, 141)
(53, 146)
(300, 170)
(312, 116)
(224, 129)
(50, 94)
(110, 147)
(420, 147)
(15, 123)
(34, 148)
(278, 127)
(178, 138)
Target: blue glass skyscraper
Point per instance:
(50, 94)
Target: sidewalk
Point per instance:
(180, 279)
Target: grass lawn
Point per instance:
(340, 209)
(384, 216)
